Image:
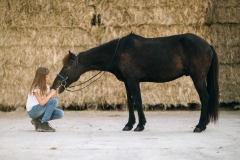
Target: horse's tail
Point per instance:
(213, 88)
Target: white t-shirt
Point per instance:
(32, 100)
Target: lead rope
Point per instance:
(86, 80)
(94, 75)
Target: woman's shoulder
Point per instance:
(36, 89)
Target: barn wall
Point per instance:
(225, 30)
(39, 33)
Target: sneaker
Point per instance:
(35, 122)
(45, 127)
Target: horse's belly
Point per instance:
(161, 76)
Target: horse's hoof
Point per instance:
(197, 130)
(204, 128)
(127, 128)
(138, 129)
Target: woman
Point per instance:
(41, 103)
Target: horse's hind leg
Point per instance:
(131, 119)
(200, 86)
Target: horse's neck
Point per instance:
(97, 59)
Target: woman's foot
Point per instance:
(45, 127)
(35, 122)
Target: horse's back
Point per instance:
(188, 40)
(163, 59)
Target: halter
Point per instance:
(64, 80)
(75, 63)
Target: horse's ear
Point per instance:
(70, 53)
(68, 57)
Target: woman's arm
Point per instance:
(43, 101)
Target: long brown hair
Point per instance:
(40, 80)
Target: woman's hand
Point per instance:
(55, 94)
(52, 92)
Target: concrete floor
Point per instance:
(98, 135)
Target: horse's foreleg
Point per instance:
(204, 97)
(135, 90)
(131, 119)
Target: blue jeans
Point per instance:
(47, 112)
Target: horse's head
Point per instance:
(69, 73)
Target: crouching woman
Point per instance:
(41, 103)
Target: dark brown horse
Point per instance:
(134, 59)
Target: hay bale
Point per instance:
(153, 13)
(225, 32)
(225, 35)
(224, 38)
(39, 33)
(229, 80)
(223, 11)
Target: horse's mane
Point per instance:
(67, 56)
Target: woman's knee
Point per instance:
(57, 114)
(53, 101)
(61, 113)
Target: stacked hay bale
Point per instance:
(39, 33)
(225, 37)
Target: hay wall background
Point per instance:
(225, 37)
(39, 33)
